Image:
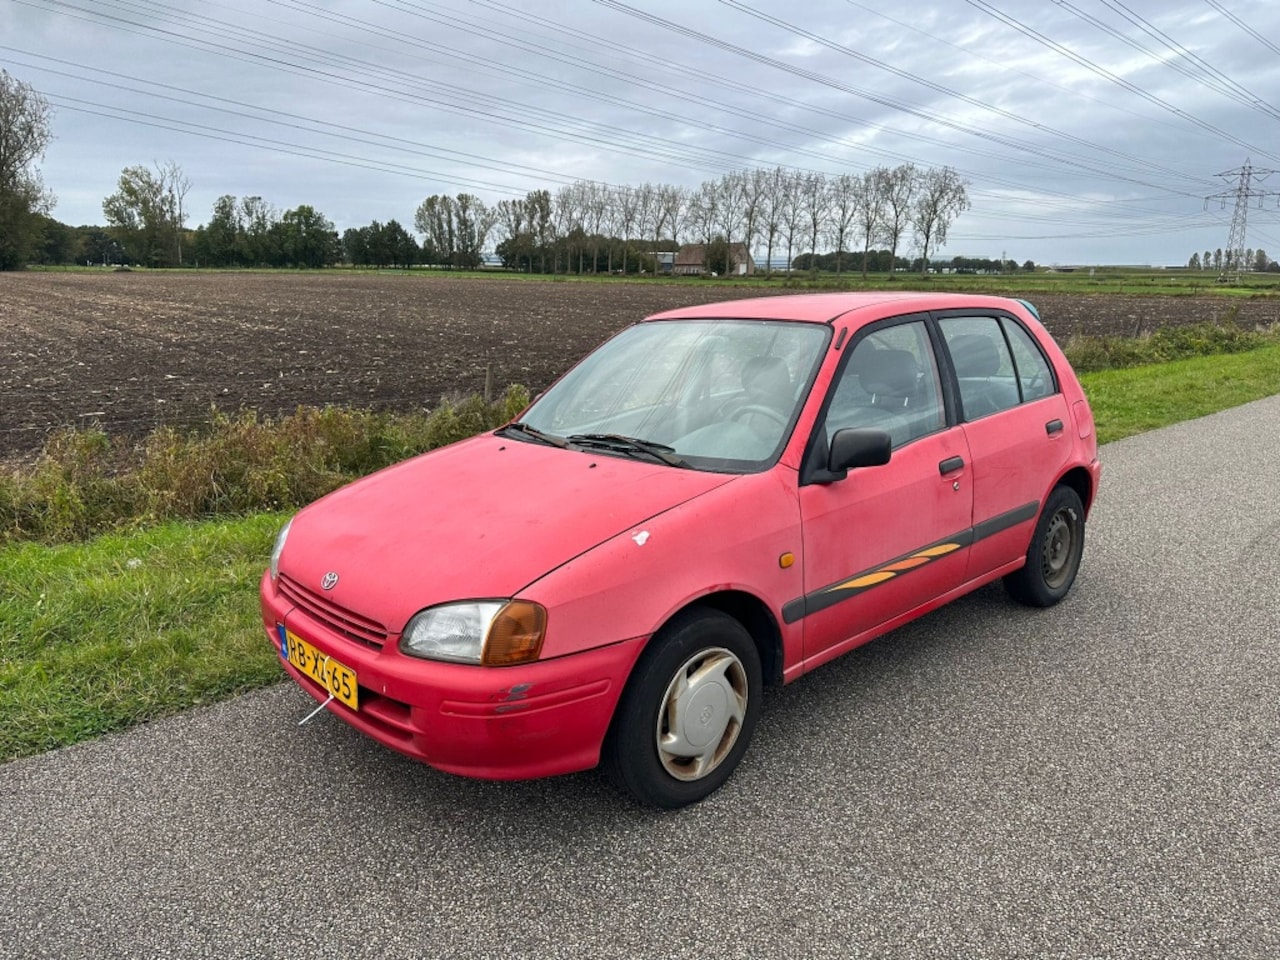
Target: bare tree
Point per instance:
(704, 210)
(538, 207)
(753, 205)
(791, 212)
(900, 186)
(595, 208)
(647, 209)
(870, 204)
(773, 205)
(628, 214)
(674, 201)
(844, 210)
(731, 202)
(655, 213)
(566, 216)
(175, 187)
(942, 195)
(815, 204)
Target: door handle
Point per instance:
(1052, 427)
(950, 465)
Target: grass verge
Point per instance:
(132, 626)
(1138, 399)
(102, 635)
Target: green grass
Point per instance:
(1138, 399)
(138, 624)
(129, 627)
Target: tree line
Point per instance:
(1220, 261)
(584, 227)
(839, 222)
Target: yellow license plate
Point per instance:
(333, 675)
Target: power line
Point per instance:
(1243, 26)
(1204, 74)
(1106, 74)
(902, 106)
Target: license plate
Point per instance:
(334, 675)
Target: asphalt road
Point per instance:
(1098, 780)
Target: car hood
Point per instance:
(480, 519)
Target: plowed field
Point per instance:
(132, 350)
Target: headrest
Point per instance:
(974, 355)
(893, 373)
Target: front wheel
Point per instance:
(1053, 559)
(688, 712)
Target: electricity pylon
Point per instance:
(1242, 193)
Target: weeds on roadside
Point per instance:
(1091, 354)
(86, 482)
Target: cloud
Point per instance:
(1079, 144)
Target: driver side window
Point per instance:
(889, 382)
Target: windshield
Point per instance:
(716, 394)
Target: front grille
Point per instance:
(340, 620)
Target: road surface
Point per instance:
(1097, 780)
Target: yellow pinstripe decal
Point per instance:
(889, 571)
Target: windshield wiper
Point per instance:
(535, 434)
(616, 441)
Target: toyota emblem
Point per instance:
(329, 581)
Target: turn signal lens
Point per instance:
(516, 634)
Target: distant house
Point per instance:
(692, 257)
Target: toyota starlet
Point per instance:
(716, 499)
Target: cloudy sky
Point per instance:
(1090, 131)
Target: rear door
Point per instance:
(1015, 421)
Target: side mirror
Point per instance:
(857, 447)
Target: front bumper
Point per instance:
(497, 723)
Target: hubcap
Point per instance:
(702, 713)
(1059, 540)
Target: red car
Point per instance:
(717, 498)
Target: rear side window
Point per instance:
(997, 364)
(1035, 376)
(983, 365)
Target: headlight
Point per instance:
(279, 549)
(490, 632)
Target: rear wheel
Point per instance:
(688, 712)
(1053, 559)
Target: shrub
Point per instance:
(86, 482)
(1091, 354)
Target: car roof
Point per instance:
(827, 307)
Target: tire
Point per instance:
(688, 711)
(1053, 559)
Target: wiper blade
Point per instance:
(616, 441)
(535, 434)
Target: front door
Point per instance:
(888, 539)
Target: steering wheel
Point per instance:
(767, 412)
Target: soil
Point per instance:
(129, 351)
